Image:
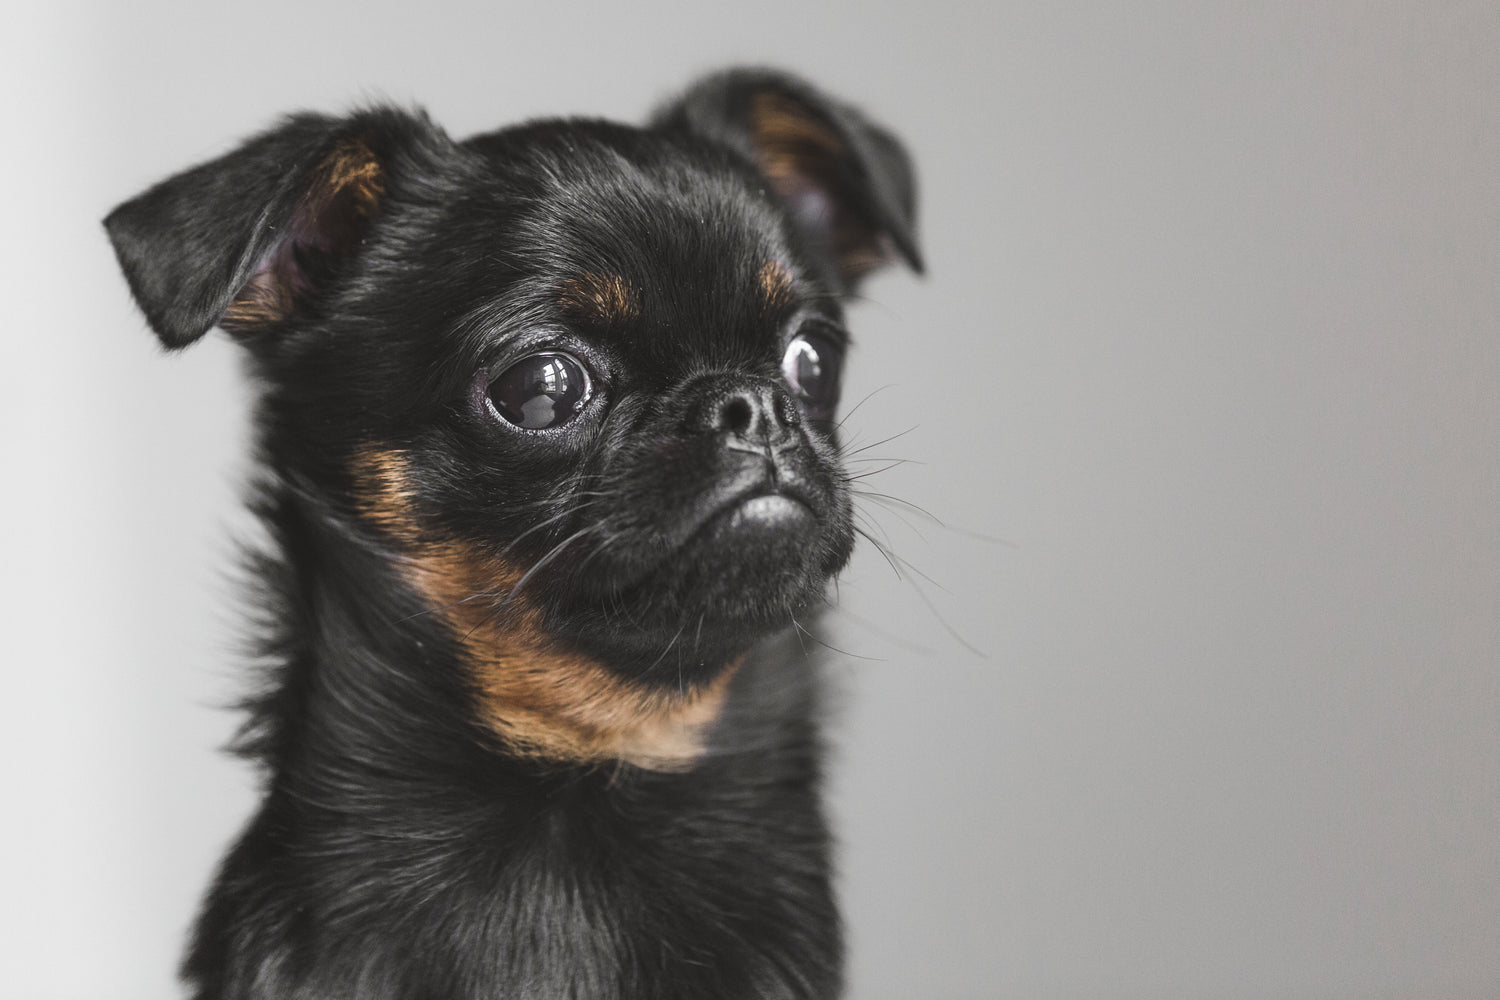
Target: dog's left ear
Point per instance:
(257, 236)
(847, 181)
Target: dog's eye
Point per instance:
(542, 391)
(811, 367)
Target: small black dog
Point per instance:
(550, 468)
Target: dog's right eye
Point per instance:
(811, 367)
(540, 392)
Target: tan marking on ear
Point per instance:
(796, 151)
(263, 300)
(343, 194)
(860, 249)
(601, 298)
(776, 284)
(353, 170)
(546, 702)
(787, 135)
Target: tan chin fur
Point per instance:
(544, 702)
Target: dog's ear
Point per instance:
(252, 238)
(847, 181)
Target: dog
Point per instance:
(550, 471)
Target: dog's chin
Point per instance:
(753, 564)
(753, 569)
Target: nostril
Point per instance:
(736, 415)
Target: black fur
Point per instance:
(658, 541)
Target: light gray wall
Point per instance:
(1204, 384)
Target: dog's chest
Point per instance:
(598, 906)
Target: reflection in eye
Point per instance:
(541, 392)
(811, 368)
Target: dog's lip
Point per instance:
(761, 506)
(760, 511)
(770, 508)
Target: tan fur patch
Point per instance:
(263, 300)
(776, 284)
(385, 494)
(607, 299)
(353, 169)
(786, 134)
(795, 149)
(545, 702)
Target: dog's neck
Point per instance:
(540, 698)
(393, 814)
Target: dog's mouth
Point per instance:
(759, 543)
(766, 512)
(762, 522)
(712, 565)
(760, 511)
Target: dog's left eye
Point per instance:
(811, 367)
(540, 392)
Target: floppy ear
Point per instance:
(847, 181)
(252, 238)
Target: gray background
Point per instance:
(1203, 387)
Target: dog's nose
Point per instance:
(759, 413)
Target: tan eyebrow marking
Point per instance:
(602, 298)
(776, 284)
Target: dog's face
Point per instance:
(630, 396)
(578, 380)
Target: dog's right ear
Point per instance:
(251, 239)
(847, 182)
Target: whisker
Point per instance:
(911, 568)
(885, 634)
(826, 645)
(898, 515)
(868, 396)
(873, 526)
(889, 499)
(887, 440)
(887, 458)
(944, 622)
(663, 655)
(799, 633)
(444, 607)
(552, 554)
(874, 472)
(885, 552)
(979, 537)
(561, 515)
(897, 564)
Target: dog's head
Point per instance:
(578, 380)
